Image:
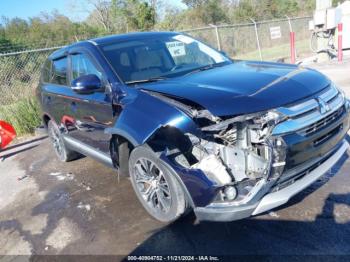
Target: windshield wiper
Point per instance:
(149, 80)
(204, 68)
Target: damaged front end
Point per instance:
(238, 155)
(235, 167)
(241, 156)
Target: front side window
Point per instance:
(82, 65)
(160, 57)
(59, 71)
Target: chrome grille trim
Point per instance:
(303, 115)
(313, 128)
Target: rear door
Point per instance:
(55, 88)
(91, 113)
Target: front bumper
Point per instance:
(229, 212)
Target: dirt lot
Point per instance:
(81, 207)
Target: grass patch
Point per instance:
(276, 52)
(23, 115)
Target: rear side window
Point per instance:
(59, 71)
(46, 71)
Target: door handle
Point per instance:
(47, 100)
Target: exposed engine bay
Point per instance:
(239, 152)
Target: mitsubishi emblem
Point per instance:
(323, 106)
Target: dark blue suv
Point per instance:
(193, 128)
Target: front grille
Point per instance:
(307, 118)
(323, 139)
(324, 122)
(298, 173)
(313, 127)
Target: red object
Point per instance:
(7, 134)
(292, 47)
(340, 42)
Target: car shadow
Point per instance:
(257, 239)
(323, 238)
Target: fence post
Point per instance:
(218, 42)
(292, 47)
(292, 42)
(257, 38)
(340, 42)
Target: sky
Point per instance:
(74, 9)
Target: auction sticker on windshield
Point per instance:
(176, 48)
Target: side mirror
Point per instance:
(86, 84)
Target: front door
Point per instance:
(91, 113)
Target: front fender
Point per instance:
(143, 115)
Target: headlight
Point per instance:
(265, 123)
(261, 118)
(272, 117)
(343, 95)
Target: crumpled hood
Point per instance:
(244, 87)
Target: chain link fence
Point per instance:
(19, 76)
(20, 70)
(243, 41)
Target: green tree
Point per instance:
(6, 45)
(336, 2)
(171, 20)
(194, 3)
(139, 15)
(118, 16)
(266, 9)
(145, 16)
(203, 12)
(244, 11)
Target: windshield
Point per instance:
(153, 59)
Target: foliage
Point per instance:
(118, 16)
(269, 9)
(19, 76)
(24, 115)
(140, 16)
(44, 30)
(336, 2)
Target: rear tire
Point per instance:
(155, 186)
(62, 152)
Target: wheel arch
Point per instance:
(122, 143)
(120, 147)
(128, 144)
(46, 118)
(143, 120)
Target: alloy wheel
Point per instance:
(56, 141)
(152, 185)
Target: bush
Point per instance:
(24, 115)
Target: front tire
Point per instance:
(155, 186)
